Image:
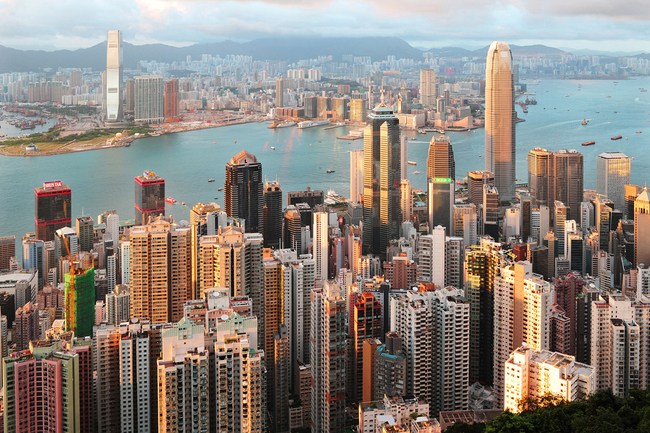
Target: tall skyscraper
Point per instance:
(440, 161)
(272, 214)
(84, 229)
(321, 244)
(612, 174)
(475, 181)
(557, 176)
(53, 209)
(149, 98)
(160, 270)
(365, 322)
(244, 189)
(427, 87)
(149, 197)
(500, 116)
(130, 96)
(280, 86)
(80, 301)
(113, 89)
(406, 199)
(356, 175)
(172, 97)
(382, 176)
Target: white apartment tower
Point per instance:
(532, 373)
(149, 99)
(439, 249)
(321, 244)
(356, 175)
(427, 87)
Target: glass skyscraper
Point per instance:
(381, 180)
(149, 197)
(500, 117)
(244, 189)
(113, 90)
(613, 173)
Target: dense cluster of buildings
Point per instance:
(261, 317)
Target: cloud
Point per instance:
(36, 24)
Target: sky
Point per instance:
(604, 25)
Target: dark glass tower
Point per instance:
(149, 197)
(53, 208)
(381, 183)
(441, 185)
(244, 191)
(272, 214)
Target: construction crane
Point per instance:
(69, 299)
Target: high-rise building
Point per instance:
(381, 192)
(183, 381)
(80, 301)
(130, 96)
(113, 89)
(440, 161)
(172, 98)
(389, 367)
(561, 217)
(365, 323)
(272, 214)
(328, 358)
(613, 173)
(118, 305)
(280, 87)
(619, 353)
(500, 119)
(244, 189)
(491, 207)
(53, 209)
(160, 270)
(427, 87)
(522, 309)
(148, 98)
(26, 326)
(282, 366)
(556, 176)
(532, 373)
(84, 229)
(7, 251)
(631, 193)
(642, 227)
(440, 197)
(567, 290)
(356, 175)
(358, 110)
(149, 197)
(310, 197)
(406, 199)
(76, 78)
(480, 267)
(320, 246)
(475, 181)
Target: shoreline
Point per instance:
(63, 149)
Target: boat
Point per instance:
(329, 170)
(210, 180)
(412, 162)
(412, 138)
(638, 132)
(220, 189)
(416, 172)
(286, 124)
(183, 203)
(170, 200)
(589, 143)
(312, 123)
(273, 124)
(584, 122)
(643, 90)
(272, 148)
(618, 137)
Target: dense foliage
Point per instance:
(601, 412)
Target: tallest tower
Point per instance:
(500, 119)
(113, 82)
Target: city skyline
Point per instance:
(604, 26)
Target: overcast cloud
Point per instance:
(71, 24)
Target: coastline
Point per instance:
(103, 143)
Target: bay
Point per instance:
(104, 179)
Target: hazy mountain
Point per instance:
(587, 52)
(289, 49)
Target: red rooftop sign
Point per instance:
(53, 184)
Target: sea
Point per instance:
(103, 180)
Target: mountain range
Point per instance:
(274, 49)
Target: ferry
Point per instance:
(273, 124)
(286, 124)
(412, 162)
(313, 123)
(210, 180)
(638, 132)
(589, 143)
(618, 137)
(170, 200)
(183, 203)
(272, 148)
(220, 189)
(416, 172)
(643, 90)
(584, 122)
(330, 170)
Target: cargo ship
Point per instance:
(313, 123)
(589, 143)
(618, 137)
(412, 162)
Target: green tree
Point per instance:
(507, 422)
